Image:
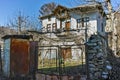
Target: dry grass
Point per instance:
(52, 66)
(51, 63)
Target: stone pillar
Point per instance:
(97, 58)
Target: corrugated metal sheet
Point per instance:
(6, 58)
(19, 57)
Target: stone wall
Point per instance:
(98, 66)
(58, 77)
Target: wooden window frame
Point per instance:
(54, 27)
(67, 29)
(81, 22)
(102, 27)
(60, 24)
(48, 27)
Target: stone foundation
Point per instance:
(57, 77)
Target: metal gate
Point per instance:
(61, 60)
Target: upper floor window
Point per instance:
(49, 18)
(48, 27)
(54, 27)
(82, 22)
(102, 27)
(67, 26)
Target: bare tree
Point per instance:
(22, 23)
(117, 26)
(47, 8)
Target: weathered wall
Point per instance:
(98, 66)
(95, 21)
(46, 21)
(92, 20)
(6, 58)
(57, 77)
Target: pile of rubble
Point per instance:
(115, 62)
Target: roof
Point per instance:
(17, 36)
(49, 15)
(60, 6)
(89, 6)
(52, 14)
(82, 8)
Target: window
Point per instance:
(86, 19)
(54, 27)
(60, 24)
(67, 26)
(48, 27)
(82, 21)
(102, 28)
(49, 18)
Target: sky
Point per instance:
(10, 8)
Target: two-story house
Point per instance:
(66, 30)
(75, 18)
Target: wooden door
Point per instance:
(67, 27)
(66, 53)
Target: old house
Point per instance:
(65, 32)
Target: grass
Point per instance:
(66, 67)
